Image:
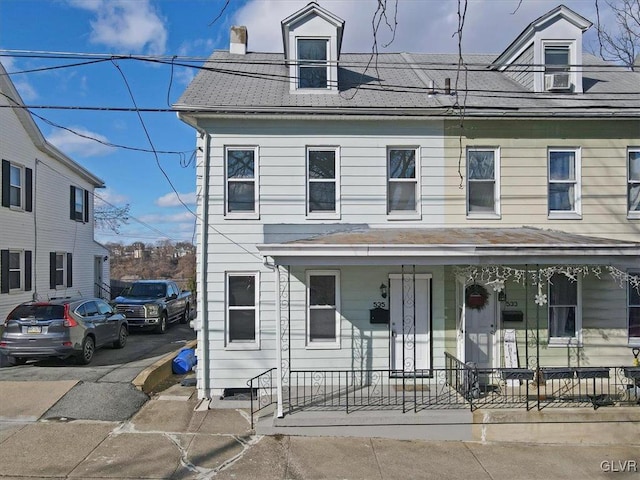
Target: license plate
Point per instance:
(34, 329)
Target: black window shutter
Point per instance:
(52, 270)
(4, 271)
(28, 185)
(6, 190)
(27, 270)
(69, 270)
(86, 206)
(72, 203)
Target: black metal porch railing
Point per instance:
(456, 386)
(261, 391)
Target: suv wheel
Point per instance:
(88, 349)
(122, 337)
(19, 360)
(162, 324)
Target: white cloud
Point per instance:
(109, 196)
(82, 145)
(172, 218)
(25, 89)
(130, 25)
(171, 199)
(423, 26)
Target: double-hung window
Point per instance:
(322, 182)
(15, 270)
(242, 323)
(79, 204)
(60, 270)
(241, 182)
(323, 309)
(633, 309)
(633, 179)
(564, 183)
(564, 310)
(403, 188)
(313, 66)
(17, 186)
(556, 59)
(483, 190)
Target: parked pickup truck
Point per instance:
(154, 304)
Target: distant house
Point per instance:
(47, 246)
(364, 228)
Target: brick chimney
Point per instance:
(239, 37)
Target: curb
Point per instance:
(159, 371)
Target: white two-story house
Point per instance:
(47, 246)
(360, 227)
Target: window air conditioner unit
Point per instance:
(557, 81)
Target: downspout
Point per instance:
(203, 304)
(279, 405)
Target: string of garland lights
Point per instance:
(495, 276)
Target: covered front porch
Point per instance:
(428, 345)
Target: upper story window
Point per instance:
(564, 183)
(323, 309)
(565, 320)
(557, 68)
(241, 182)
(322, 182)
(633, 309)
(15, 270)
(483, 190)
(242, 312)
(16, 186)
(633, 178)
(402, 189)
(79, 204)
(313, 66)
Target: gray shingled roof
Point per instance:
(398, 85)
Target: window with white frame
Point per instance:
(323, 309)
(241, 185)
(60, 268)
(79, 204)
(633, 190)
(402, 168)
(564, 310)
(16, 181)
(15, 270)
(16, 187)
(313, 66)
(556, 59)
(564, 182)
(633, 309)
(322, 181)
(242, 310)
(483, 191)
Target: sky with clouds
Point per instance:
(118, 146)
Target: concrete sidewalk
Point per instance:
(170, 438)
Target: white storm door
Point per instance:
(410, 312)
(480, 327)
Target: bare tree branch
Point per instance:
(110, 217)
(622, 45)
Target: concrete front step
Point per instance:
(619, 425)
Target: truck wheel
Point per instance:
(88, 349)
(162, 324)
(185, 315)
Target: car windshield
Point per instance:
(37, 312)
(146, 290)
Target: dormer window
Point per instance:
(312, 63)
(557, 70)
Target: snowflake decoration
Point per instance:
(541, 299)
(498, 285)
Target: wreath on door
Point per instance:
(476, 296)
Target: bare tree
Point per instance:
(110, 217)
(623, 44)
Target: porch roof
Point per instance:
(452, 246)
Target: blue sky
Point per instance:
(186, 28)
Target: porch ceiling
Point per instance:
(452, 246)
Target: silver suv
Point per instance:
(63, 327)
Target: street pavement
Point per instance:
(171, 437)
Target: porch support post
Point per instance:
(279, 369)
(526, 315)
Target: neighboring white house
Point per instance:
(362, 221)
(47, 246)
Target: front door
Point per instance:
(97, 277)
(410, 312)
(480, 327)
